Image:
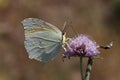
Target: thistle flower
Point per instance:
(82, 45)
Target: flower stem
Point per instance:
(88, 69)
(81, 69)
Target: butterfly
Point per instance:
(43, 41)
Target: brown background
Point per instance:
(97, 18)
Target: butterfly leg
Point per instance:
(66, 44)
(64, 47)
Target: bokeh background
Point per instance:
(97, 18)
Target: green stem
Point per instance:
(88, 69)
(81, 69)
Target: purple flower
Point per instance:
(82, 45)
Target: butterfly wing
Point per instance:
(42, 40)
(35, 24)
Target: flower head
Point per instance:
(82, 45)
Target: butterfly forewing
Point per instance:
(35, 23)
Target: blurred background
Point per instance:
(97, 18)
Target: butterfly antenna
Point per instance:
(64, 27)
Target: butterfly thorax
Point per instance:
(64, 41)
